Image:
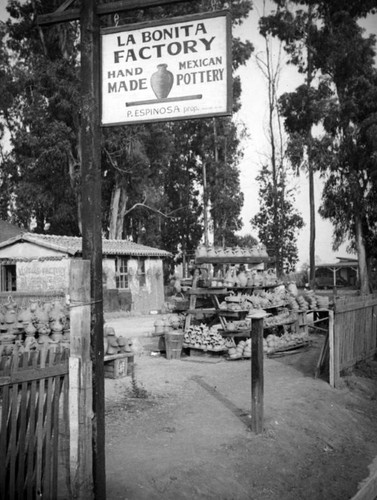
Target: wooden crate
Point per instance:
(118, 365)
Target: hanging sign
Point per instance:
(176, 69)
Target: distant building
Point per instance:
(343, 273)
(132, 273)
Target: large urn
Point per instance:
(162, 81)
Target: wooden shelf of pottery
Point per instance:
(227, 309)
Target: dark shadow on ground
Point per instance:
(242, 414)
(305, 360)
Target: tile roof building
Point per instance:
(132, 273)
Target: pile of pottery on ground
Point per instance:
(34, 327)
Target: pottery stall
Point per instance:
(231, 286)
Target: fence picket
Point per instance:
(12, 446)
(29, 448)
(23, 412)
(47, 455)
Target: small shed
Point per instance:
(343, 273)
(132, 273)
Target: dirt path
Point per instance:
(190, 438)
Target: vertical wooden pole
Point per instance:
(92, 222)
(257, 378)
(80, 383)
(333, 351)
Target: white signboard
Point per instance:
(177, 69)
(43, 276)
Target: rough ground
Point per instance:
(180, 429)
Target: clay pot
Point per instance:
(201, 251)
(229, 278)
(242, 278)
(10, 313)
(211, 252)
(113, 347)
(57, 336)
(30, 330)
(292, 289)
(159, 326)
(43, 339)
(162, 81)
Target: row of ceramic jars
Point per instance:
(218, 252)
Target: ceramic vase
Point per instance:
(162, 81)
(242, 278)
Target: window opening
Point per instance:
(121, 272)
(8, 278)
(141, 271)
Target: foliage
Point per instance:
(343, 103)
(39, 112)
(278, 232)
(246, 241)
(157, 188)
(277, 220)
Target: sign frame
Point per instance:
(127, 29)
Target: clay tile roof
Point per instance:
(73, 245)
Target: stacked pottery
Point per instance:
(57, 319)
(124, 344)
(112, 342)
(232, 352)
(9, 327)
(240, 348)
(247, 349)
(43, 328)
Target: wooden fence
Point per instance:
(33, 394)
(46, 395)
(352, 333)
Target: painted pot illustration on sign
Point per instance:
(162, 81)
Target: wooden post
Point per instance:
(333, 350)
(80, 383)
(257, 378)
(92, 222)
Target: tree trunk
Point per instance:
(363, 267)
(114, 208)
(121, 213)
(309, 79)
(74, 166)
(312, 224)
